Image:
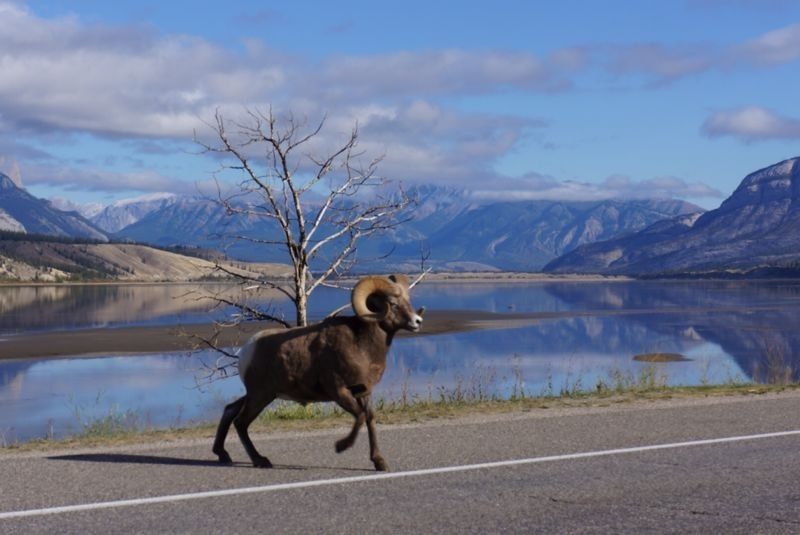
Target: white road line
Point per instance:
(381, 476)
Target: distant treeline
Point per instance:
(789, 270)
(7, 235)
(186, 250)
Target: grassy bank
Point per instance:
(121, 428)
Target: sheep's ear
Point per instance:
(401, 279)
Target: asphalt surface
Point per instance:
(631, 468)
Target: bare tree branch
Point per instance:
(419, 278)
(315, 205)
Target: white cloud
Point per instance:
(664, 64)
(121, 82)
(420, 141)
(660, 187)
(424, 142)
(451, 71)
(68, 75)
(60, 74)
(774, 47)
(64, 75)
(542, 187)
(752, 123)
(660, 62)
(10, 168)
(100, 180)
(127, 81)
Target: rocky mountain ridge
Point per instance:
(120, 214)
(458, 232)
(22, 212)
(454, 230)
(525, 235)
(756, 228)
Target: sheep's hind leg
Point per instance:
(230, 412)
(252, 408)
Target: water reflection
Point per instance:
(754, 322)
(61, 397)
(730, 331)
(551, 357)
(30, 308)
(58, 396)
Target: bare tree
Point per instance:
(320, 201)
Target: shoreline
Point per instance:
(433, 277)
(413, 413)
(132, 340)
(86, 343)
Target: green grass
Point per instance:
(114, 430)
(476, 393)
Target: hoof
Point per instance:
(224, 458)
(380, 465)
(262, 462)
(342, 445)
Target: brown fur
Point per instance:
(340, 359)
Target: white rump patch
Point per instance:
(246, 353)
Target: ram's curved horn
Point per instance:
(366, 287)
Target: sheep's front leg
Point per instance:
(348, 402)
(374, 451)
(361, 409)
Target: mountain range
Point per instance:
(22, 212)
(454, 230)
(521, 235)
(120, 214)
(755, 230)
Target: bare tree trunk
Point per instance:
(301, 296)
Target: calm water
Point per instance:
(729, 330)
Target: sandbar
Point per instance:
(172, 338)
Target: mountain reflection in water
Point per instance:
(754, 322)
(729, 330)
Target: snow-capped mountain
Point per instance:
(123, 213)
(87, 210)
(457, 230)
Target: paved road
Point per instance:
(721, 465)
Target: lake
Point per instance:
(728, 331)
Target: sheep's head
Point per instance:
(386, 300)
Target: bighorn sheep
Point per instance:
(339, 359)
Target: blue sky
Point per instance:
(513, 99)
